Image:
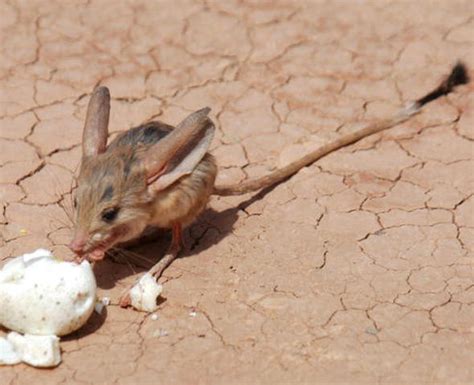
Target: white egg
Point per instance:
(41, 295)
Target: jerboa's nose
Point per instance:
(78, 243)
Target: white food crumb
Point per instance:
(41, 295)
(144, 294)
(39, 351)
(98, 307)
(154, 316)
(100, 304)
(160, 333)
(192, 313)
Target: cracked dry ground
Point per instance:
(358, 269)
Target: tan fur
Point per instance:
(180, 203)
(183, 201)
(130, 193)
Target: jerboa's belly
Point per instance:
(183, 201)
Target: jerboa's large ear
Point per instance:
(178, 153)
(94, 136)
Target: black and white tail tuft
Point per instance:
(457, 77)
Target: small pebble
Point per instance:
(371, 330)
(160, 333)
(154, 316)
(192, 313)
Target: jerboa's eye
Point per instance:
(109, 215)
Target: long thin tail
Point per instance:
(457, 77)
